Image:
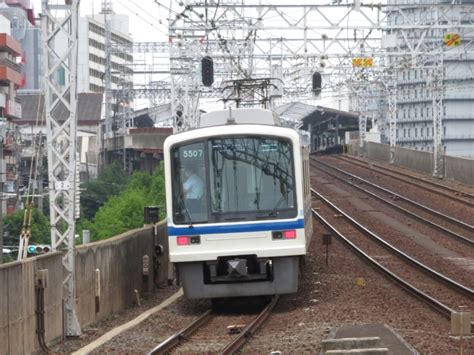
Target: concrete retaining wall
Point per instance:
(414, 160)
(18, 304)
(119, 260)
(459, 169)
(379, 152)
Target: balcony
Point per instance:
(459, 117)
(10, 45)
(9, 73)
(13, 108)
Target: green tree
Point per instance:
(125, 211)
(40, 228)
(111, 181)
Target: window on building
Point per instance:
(404, 132)
(416, 132)
(444, 131)
(409, 129)
(421, 131)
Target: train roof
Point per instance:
(240, 116)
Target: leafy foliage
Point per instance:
(111, 181)
(126, 211)
(40, 228)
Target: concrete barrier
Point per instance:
(416, 160)
(379, 152)
(120, 261)
(458, 169)
(18, 303)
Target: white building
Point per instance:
(414, 82)
(92, 58)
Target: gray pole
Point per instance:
(1, 199)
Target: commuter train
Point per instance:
(239, 205)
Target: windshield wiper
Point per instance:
(183, 207)
(273, 212)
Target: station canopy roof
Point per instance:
(303, 114)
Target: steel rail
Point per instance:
(404, 210)
(419, 205)
(250, 329)
(395, 171)
(405, 178)
(174, 340)
(431, 272)
(437, 305)
(432, 302)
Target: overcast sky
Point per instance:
(145, 16)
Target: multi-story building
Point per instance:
(25, 30)
(92, 56)
(10, 112)
(416, 80)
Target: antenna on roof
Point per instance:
(230, 119)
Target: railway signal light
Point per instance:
(38, 249)
(207, 71)
(317, 81)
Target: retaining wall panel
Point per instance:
(378, 152)
(53, 294)
(414, 159)
(15, 307)
(85, 286)
(460, 169)
(29, 308)
(4, 314)
(120, 261)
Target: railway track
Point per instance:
(451, 226)
(452, 193)
(407, 212)
(438, 291)
(235, 344)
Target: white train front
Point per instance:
(238, 203)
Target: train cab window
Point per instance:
(189, 184)
(251, 178)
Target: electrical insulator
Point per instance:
(317, 83)
(207, 71)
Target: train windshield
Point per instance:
(234, 179)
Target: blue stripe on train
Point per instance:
(236, 228)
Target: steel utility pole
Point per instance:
(107, 11)
(2, 176)
(60, 21)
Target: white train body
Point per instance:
(243, 230)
